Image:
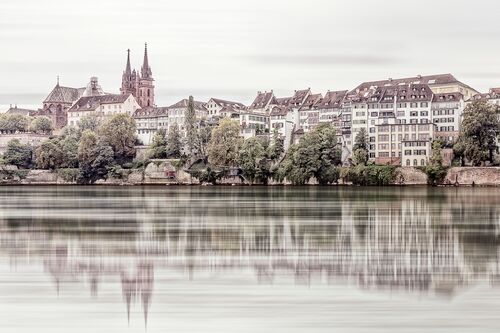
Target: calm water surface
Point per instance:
(252, 259)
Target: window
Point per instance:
(415, 162)
(408, 162)
(422, 162)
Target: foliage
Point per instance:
(119, 133)
(95, 158)
(225, 143)
(435, 170)
(41, 125)
(49, 155)
(190, 125)
(203, 139)
(253, 161)
(69, 175)
(174, 145)
(370, 175)
(12, 123)
(158, 148)
(18, 154)
(478, 134)
(360, 148)
(277, 147)
(89, 122)
(316, 155)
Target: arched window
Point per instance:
(415, 162)
(422, 162)
(408, 162)
(148, 103)
(148, 92)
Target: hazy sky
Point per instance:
(233, 48)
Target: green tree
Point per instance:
(277, 147)
(158, 148)
(479, 132)
(435, 170)
(89, 122)
(49, 155)
(190, 125)
(68, 142)
(12, 123)
(18, 154)
(42, 125)
(360, 148)
(225, 143)
(119, 133)
(253, 161)
(316, 155)
(203, 139)
(174, 144)
(95, 158)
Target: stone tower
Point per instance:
(129, 79)
(146, 92)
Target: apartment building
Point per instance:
(103, 106)
(447, 110)
(220, 108)
(148, 121)
(253, 123)
(395, 143)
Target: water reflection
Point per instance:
(419, 241)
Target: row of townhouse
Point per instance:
(400, 116)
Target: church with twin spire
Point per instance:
(139, 84)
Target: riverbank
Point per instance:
(161, 173)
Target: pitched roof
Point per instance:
(299, 96)
(332, 99)
(222, 102)
(91, 103)
(16, 110)
(62, 94)
(184, 103)
(453, 97)
(311, 102)
(279, 111)
(429, 79)
(263, 99)
(150, 112)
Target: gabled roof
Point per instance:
(184, 103)
(16, 110)
(332, 99)
(449, 97)
(150, 112)
(91, 103)
(263, 99)
(279, 111)
(311, 102)
(299, 97)
(222, 102)
(62, 94)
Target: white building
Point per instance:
(253, 123)
(214, 107)
(447, 110)
(103, 106)
(148, 121)
(177, 114)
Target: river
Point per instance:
(249, 259)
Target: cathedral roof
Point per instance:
(62, 94)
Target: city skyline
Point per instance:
(232, 50)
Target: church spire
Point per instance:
(146, 70)
(128, 69)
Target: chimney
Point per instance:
(390, 79)
(419, 76)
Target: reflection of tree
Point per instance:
(419, 239)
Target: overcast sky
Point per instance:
(233, 48)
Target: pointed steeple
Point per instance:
(128, 70)
(146, 70)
